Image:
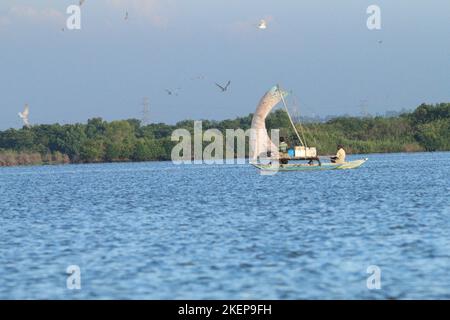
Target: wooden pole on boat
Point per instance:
(289, 116)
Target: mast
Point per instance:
(290, 119)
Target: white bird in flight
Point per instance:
(24, 116)
(262, 24)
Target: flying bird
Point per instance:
(262, 24)
(171, 92)
(199, 77)
(24, 116)
(380, 41)
(225, 88)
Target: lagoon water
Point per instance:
(161, 231)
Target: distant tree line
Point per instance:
(425, 129)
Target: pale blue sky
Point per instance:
(322, 50)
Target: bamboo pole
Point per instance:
(289, 116)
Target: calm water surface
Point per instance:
(160, 231)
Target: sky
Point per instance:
(322, 51)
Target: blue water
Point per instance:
(161, 231)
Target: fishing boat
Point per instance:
(264, 153)
(307, 167)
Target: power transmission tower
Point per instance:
(363, 108)
(145, 112)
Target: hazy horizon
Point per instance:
(322, 51)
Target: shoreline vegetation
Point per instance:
(427, 128)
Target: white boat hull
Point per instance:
(316, 167)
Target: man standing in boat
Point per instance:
(283, 145)
(340, 155)
(282, 148)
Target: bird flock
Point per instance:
(24, 115)
(262, 25)
(176, 91)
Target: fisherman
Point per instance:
(282, 148)
(340, 155)
(283, 145)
